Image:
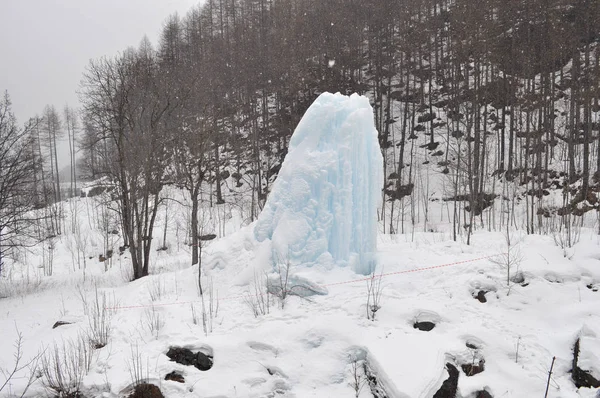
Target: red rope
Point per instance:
(325, 285)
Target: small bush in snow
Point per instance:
(258, 298)
(156, 288)
(63, 366)
(153, 321)
(99, 317)
(567, 234)
(281, 287)
(209, 298)
(137, 371)
(358, 379)
(510, 260)
(374, 290)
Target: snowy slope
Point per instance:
(307, 348)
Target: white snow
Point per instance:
(308, 347)
(323, 206)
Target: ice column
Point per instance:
(323, 205)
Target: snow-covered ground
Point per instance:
(505, 318)
(307, 349)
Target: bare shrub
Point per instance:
(156, 288)
(83, 298)
(258, 298)
(29, 283)
(99, 317)
(209, 298)
(567, 234)
(358, 379)
(30, 368)
(281, 287)
(566, 238)
(374, 290)
(64, 365)
(195, 318)
(510, 260)
(153, 321)
(137, 371)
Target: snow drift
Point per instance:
(323, 206)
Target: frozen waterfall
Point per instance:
(323, 205)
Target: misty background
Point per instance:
(46, 46)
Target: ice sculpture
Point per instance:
(323, 205)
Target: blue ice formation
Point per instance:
(323, 205)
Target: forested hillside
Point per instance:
(488, 107)
(143, 271)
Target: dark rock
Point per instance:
(472, 346)
(582, 378)
(203, 361)
(471, 369)
(483, 394)
(425, 326)
(207, 237)
(400, 191)
(450, 385)
(60, 323)
(175, 376)
(186, 357)
(427, 117)
(478, 204)
(146, 390)
(518, 278)
(95, 191)
(431, 146)
(182, 356)
(376, 390)
(481, 296)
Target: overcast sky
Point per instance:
(45, 45)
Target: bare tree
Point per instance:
(131, 105)
(17, 165)
(72, 126)
(52, 131)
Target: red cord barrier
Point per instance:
(325, 285)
